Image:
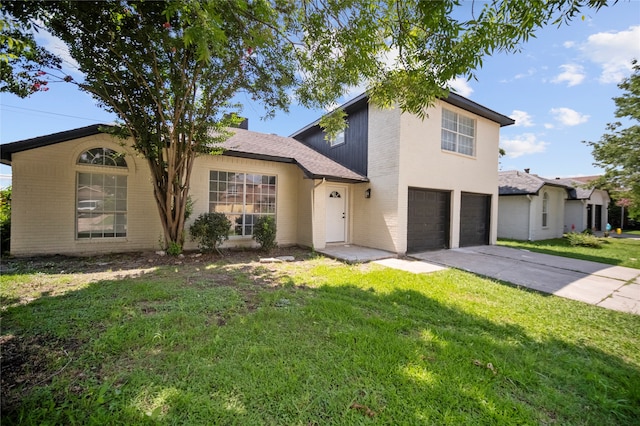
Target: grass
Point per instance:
(311, 342)
(613, 251)
(636, 232)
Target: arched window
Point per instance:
(102, 157)
(101, 198)
(545, 209)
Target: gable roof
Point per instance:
(452, 98)
(580, 190)
(514, 182)
(244, 144)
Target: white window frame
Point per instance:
(242, 219)
(103, 213)
(455, 130)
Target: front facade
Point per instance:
(392, 181)
(432, 182)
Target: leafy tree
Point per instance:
(170, 69)
(22, 61)
(618, 151)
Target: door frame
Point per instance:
(344, 189)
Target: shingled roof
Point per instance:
(244, 144)
(261, 146)
(514, 182)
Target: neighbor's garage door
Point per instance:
(475, 219)
(428, 219)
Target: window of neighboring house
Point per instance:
(545, 209)
(101, 198)
(243, 198)
(458, 133)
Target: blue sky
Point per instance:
(559, 88)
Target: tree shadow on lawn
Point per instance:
(152, 349)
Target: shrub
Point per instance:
(264, 232)
(5, 219)
(210, 230)
(583, 239)
(174, 249)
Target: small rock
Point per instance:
(270, 260)
(181, 256)
(161, 253)
(286, 258)
(196, 255)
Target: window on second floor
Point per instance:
(458, 133)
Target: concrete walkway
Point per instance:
(607, 286)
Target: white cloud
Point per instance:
(613, 52)
(523, 144)
(461, 86)
(568, 117)
(57, 47)
(569, 44)
(572, 74)
(522, 118)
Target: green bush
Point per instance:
(210, 230)
(264, 232)
(5, 220)
(174, 249)
(583, 239)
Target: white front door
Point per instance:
(336, 214)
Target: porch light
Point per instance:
(367, 193)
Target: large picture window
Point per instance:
(243, 198)
(458, 133)
(101, 206)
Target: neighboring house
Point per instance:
(586, 208)
(392, 181)
(534, 208)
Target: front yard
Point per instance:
(211, 340)
(613, 251)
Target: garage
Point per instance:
(428, 219)
(475, 219)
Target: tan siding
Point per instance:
(376, 221)
(286, 201)
(423, 164)
(305, 215)
(44, 197)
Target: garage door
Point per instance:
(475, 219)
(428, 220)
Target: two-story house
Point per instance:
(433, 183)
(392, 181)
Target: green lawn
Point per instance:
(313, 342)
(614, 251)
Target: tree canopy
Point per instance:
(618, 150)
(170, 69)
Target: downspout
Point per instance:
(530, 238)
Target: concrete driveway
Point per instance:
(612, 287)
